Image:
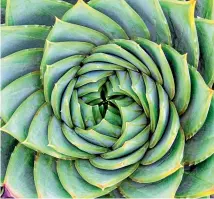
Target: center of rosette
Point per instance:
(113, 100)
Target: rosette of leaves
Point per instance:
(108, 98)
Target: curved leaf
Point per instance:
(76, 186)
(103, 178)
(19, 179)
(199, 181)
(21, 12)
(165, 188)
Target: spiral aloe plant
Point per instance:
(108, 98)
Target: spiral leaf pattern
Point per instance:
(107, 98)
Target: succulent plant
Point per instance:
(107, 98)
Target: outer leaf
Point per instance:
(165, 188)
(25, 86)
(199, 181)
(205, 9)
(152, 14)
(167, 165)
(20, 121)
(180, 69)
(15, 38)
(76, 186)
(37, 137)
(201, 146)
(63, 31)
(182, 26)
(19, 64)
(194, 117)
(124, 15)
(19, 179)
(94, 19)
(21, 12)
(47, 181)
(7, 146)
(205, 30)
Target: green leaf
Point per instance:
(107, 128)
(56, 51)
(87, 114)
(19, 123)
(109, 58)
(113, 87)
(55, 71)
(19, 179)
(193, 154)
(131, 129)
(59, 88)
(103, 178)
(16, 38)
(21, 12)
(115, 194)
(205, 9)
(91, 77)
(8, 144)
(156, 53)
(152, 98)
(124, 15)
(167, 139)
(81, 143)
(19, 64)
(94, 19)
(116, 50)
(152, 14)
(46, 178)
(165, 188)
(194, 117)
(76, 186)
(205, 30)
(121, 162)
(125, 84)
(139, 87)
(164, 167)
(198, 182)
(130, 145)
(94, 66)
(37, 138)
(163, 116)
(91, 87)
(95, 137)
(65, 104)
(180, 69)
(76, 114)
(3, 3)
(182, 27)
(58, 141)
(135, 49)
(19, 89)
(63, 31)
